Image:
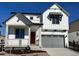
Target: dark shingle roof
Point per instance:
(26, 13)
(24, 19)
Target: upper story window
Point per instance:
(31, 18)
(55, 17)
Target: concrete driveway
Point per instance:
(61, 52)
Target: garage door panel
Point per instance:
(53, 41)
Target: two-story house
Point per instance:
(48, 29)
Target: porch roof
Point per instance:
(24, 19)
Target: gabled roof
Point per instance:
(8, 18)
(62, 9)
(20, 17)
(24, 19)
(14, 13)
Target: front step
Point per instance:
(34, 47)
(17, 48)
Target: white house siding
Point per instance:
(14, 21)
(25, 42)
(12, 41)
(10, 32)
(47, 24)
(74, 36)
(36, 18)
(58, 33)
(37, 36)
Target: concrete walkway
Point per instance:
(61, 52)
(57, 51)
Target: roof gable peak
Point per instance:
(57, 6)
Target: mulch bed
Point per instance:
(26, 53)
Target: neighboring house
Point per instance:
(47, 29)
(74, 30)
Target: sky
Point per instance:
(7, 7)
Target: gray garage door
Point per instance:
(53, 41)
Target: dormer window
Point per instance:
(55, 17)
(31, 18)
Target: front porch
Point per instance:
(22, 36)
(17, 36)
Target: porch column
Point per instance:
(29, 36)
(40, 37)
(6, 35)
(66, 39)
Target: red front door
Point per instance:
(32, 37)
